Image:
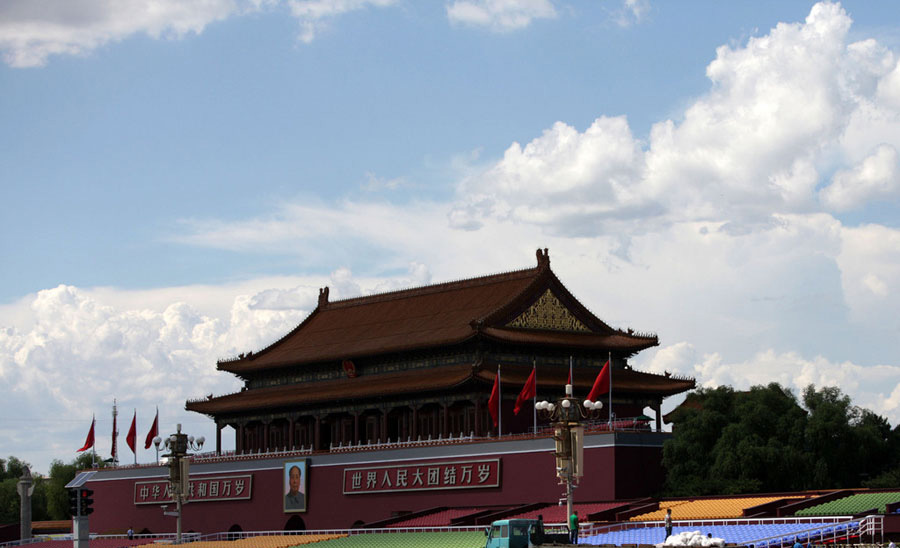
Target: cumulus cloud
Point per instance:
(736, 189)
(632, 12)
(314, 15)
(374, 183)
(870, 273)
(876, 177)
(560, 179)
(872, 387)
(78, 352)
(499, 15)
(30, 32)
(780, 109)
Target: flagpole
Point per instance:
(93, 445)
(499, 403)
(115, 456)
(135, 435)
(534, 398)
(610, 389)
(157, 433)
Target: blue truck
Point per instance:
(523, 533)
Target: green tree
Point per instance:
(10, 471)
(761, 449)
(762, 440)
(849, 445)
(60, 475)
(50, 499)
(688, 456)
(890, 475)
(12, 468)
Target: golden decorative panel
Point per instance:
(548, 313)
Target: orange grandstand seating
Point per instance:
(716, 508)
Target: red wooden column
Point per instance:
(317, 429)
(478, 418)
(445, 431)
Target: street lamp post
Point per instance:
(568, 432)
(178, 445)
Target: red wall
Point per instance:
(525, 478)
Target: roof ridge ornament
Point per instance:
(543, 258)
(323, 296)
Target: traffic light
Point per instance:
(73, 502)
(86, 501)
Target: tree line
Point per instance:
(767, 440)
(50, 500)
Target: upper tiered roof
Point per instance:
(529, 307)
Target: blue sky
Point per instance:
(180, 181)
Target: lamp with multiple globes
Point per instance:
(566, 414)
(178, 445)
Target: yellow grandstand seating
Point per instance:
(717, 508)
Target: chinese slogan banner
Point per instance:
(422, 477)
(200, 490)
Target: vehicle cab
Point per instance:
(514, 533)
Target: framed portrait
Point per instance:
(294, 491)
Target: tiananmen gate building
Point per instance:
(380, 403)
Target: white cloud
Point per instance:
(871, 387)
(632, 12)
(783, 110)
(562, 179)
(374, 183)
(33, 31)
(30, 31)
(499, 15)
(80, 353)
(870, 273)
(876, 177)
(314, 15)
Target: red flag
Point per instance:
(494, 400)
(528, 391)
(131, 438)
(601, 385)
(89, 442)
(154, 431)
